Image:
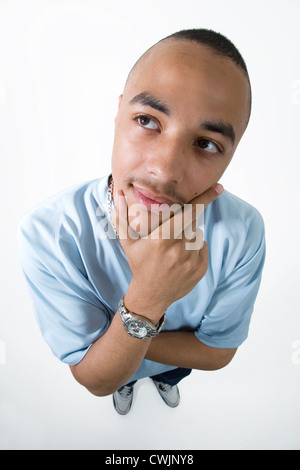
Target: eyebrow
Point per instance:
(221, 128)
(146, 99)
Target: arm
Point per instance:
(183, 349)
(116, 356)
(171, 271)
(111, 360)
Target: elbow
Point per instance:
(99, 392)
(102, 389)
(225, 357)
(221, 364)
(216, 358)
(99, 389)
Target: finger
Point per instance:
(180, 220)
(120, 215)
(185, 220)
(208, 196)
(197, 205)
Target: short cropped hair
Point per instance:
(217, 42)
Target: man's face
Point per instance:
(182, 114)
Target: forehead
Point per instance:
(190, 76)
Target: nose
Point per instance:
(166, 161)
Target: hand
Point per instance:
(164, 269)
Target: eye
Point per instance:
(147, 122)
(208, 146)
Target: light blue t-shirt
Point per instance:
(77, 271)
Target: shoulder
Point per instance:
(231, 209)
(70, 202)
(59, 221)
(234, 219)
(234, 230)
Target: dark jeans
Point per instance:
(171, 377)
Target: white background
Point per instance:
(62, 66)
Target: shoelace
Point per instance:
(165, 387)
(125, 392)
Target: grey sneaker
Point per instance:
(170, 394)
(123, 400)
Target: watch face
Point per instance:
(137, 329)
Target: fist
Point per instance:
(168, 262)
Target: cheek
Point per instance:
(204, 175)
(127, 152)
(220, 170)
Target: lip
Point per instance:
(149, 199)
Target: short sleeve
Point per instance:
(69, 313)
(227, 317)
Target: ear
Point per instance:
(119, 104)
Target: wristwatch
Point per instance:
(138, 326)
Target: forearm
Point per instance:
(114, 358)
(183, 349)
(111, 361)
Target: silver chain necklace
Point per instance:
(110, 202)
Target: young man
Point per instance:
(118, 308)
